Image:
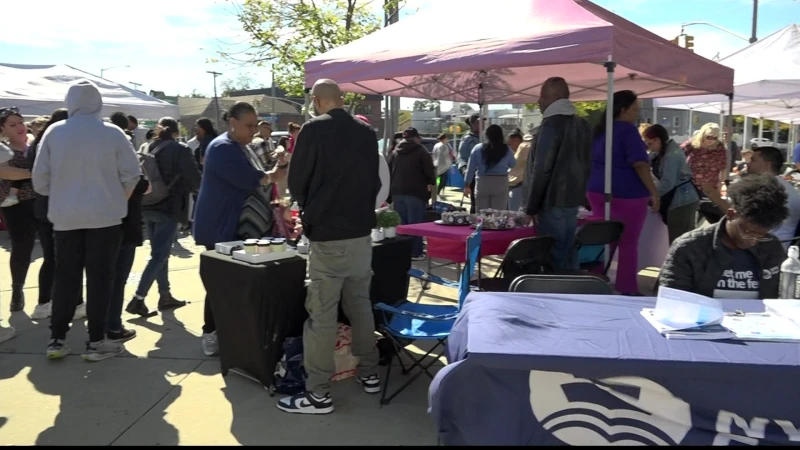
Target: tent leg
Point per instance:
(728, 143)
(610, 66)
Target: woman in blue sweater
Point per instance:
(230, 175)
(489, 164)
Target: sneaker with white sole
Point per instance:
(421, 257)
(42, 311)
(80, 312)
(98, 351)
(11, 200)
(210, 344)
(371, 384)
(57, 349)
(7, 334)
(307, 403)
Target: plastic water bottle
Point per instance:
(295, 209)
(790, 275)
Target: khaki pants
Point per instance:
(338, 270)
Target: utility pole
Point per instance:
(753, 37)
(392, 8)
(103, 71)
(135, 85)
(216, 99)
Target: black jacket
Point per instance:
(176, 159)
(412, 171)
(132, 223)
(559, 165)
(334, 177)
(696, 260)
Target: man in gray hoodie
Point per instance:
(89, 169)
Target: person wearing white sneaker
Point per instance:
(78, 156)
(338, 214)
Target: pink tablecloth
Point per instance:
(447, 242)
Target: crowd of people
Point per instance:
(80, 185)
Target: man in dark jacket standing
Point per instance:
(557, 172)
(413, 178)
(181, 175)
(334, 178)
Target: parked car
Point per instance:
(760, 142)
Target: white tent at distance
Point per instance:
(39, 90)
(766, 80)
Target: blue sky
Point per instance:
(167, 43)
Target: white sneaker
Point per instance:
(210, 344)
(42, 312)
(80, 312)
(98, 351)
(7, 333)
(11, 200)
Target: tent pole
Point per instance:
(691, 124)
(610, 66)
(307, 105)
(728, 142)
(760, 126)
(655, 114)
(481, 104)
(386, 135)
(746, 131)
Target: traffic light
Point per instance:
(677, 40)
(688, 42)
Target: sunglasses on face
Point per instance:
(711, 138)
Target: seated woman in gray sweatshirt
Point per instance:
(89, 169)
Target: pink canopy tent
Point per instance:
(509, 47)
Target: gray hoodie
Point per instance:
(85, 165)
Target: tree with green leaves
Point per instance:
(287, 33)
(241, 83)
(584, 109)
(426, 105)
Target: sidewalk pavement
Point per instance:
(164, 391)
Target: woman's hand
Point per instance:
(655, 202)
(467, 191)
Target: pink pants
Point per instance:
(632, 212)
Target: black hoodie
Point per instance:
(412, 171)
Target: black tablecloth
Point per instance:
(256, 306)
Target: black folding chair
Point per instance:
(561, 284)
(533, 255)
(598, 234)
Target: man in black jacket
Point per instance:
(558, 171)
(334, 178)
(736, 257)
(413, 177)
(180, 173)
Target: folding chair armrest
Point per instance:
(425, 276)
(383, 307)
(790, 240)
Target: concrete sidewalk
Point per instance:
(164, 391)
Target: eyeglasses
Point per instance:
(5, 112)
(749, 235)
(711, 138)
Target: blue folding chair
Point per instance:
(409, 322)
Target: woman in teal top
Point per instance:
(679, 199)
(489, 163)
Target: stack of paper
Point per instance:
(702, 332)
(762, 327)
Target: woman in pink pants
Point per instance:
(632, 186)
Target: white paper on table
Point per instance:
(762, 327)
(679, 310)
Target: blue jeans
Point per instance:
(411, 210)
(560, 223)
(127, 253)
(515, 198)
(161, 229)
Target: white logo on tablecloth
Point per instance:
(638, 411)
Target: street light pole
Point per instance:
(135, 85)
(216, 99)
(102, 71)
(753, 37)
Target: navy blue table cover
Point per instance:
(534, 369)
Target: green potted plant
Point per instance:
(388, 220)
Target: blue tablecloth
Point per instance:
(533, 369)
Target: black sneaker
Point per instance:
(121, 336)
(307, 403)
(372, 384)
(137, 308)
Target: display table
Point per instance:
(533, 369)
(257, 306)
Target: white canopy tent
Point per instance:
(766, 81)
(39, 90)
